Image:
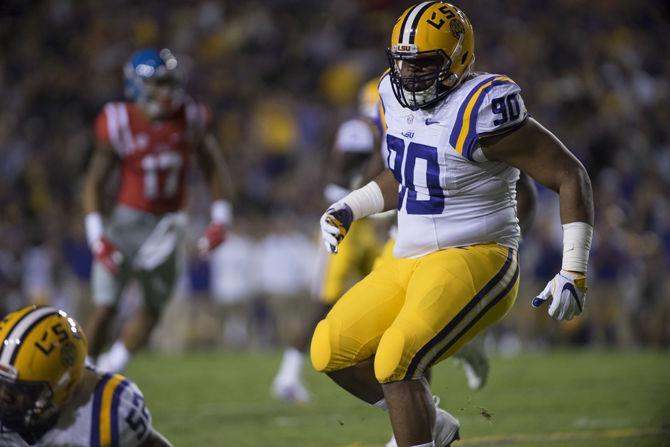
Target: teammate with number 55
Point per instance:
(49, 398)
(150, 140)
(456, 140)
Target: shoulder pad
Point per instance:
(490, 104)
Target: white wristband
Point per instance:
(365, 201)
(222, 212)
(576, 245)
(94, 227)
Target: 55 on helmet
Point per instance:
(153, 81)
(432, 50)
(42, 352)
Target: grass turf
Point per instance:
(565, 398)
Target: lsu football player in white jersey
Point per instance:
(355, 156)
(49, 398)
(456, 141)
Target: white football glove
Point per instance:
(335, 223)
(567, 291)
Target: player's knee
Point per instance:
(321, 350)
(389, 357)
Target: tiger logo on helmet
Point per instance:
(432, 50)
(42, 354)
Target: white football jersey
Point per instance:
(114, 415)
(450, 195)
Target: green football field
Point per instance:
(566, 398)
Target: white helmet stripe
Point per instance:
(13, 340)
(409, 22)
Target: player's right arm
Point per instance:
(379, 195)
(102, 164)
(375, 165)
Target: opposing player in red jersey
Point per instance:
(150, 140)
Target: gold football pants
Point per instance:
(412, 313)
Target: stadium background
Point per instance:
(279, 76)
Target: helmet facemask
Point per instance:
(420, 79)
(161, 97)
(40, 368)
(25, 407)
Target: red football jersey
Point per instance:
(155, 156)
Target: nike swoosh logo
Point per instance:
(429, 122)
(571, 288)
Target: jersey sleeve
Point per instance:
(355, 136)
(133, 417)
(493, 106)
(112, 127)
(119, 415)
(384, 90)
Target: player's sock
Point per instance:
(114, 360)
(287, 384)
(445, 430)
(291, 366)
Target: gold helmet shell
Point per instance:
(42, 354)
(435, 40)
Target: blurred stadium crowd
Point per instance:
(279, 76)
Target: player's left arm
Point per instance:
(217, 175)
(535, 150)
(526, 202)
